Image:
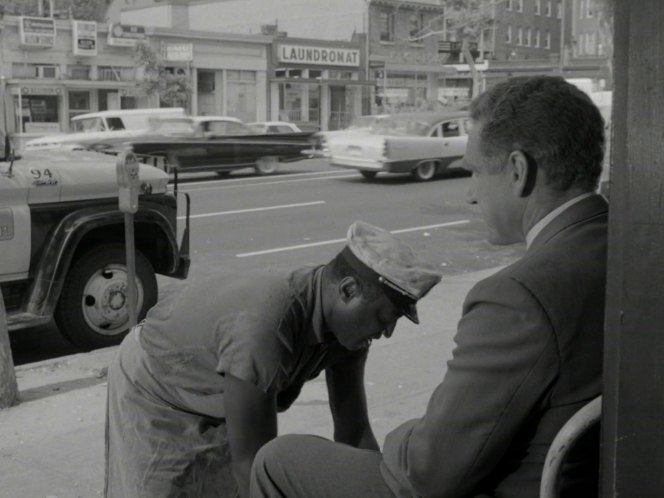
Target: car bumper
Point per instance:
(363, 164)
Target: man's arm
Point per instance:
(348, 403)
(251, 418)
(504, 363)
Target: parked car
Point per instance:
(420, 143)
(104, 125)
(214, 143)
(359, 124)
(274, 127)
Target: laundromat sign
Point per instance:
(328, 56)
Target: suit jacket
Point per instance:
(528, 355)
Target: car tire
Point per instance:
(85, 314)
(267, 165)
(369, 175)
(424, 171)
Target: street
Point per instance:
(300, 216)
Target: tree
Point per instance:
(8, 388)
(466, 20)
(174, 89)
(84, 10)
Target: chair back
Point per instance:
(574, 428)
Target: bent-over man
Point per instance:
(195, 389)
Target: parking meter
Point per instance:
(128, 182)
(128, 186)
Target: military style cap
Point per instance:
(379, 257)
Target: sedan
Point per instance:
(420, 143)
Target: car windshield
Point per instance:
(87, 125)
(173, 126)
(396, 125)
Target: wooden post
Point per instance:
(8, 388)
(633, 410)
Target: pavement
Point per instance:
(52, 443)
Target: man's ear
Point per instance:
(348, 289)
(522, 175)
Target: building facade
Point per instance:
(53, 70)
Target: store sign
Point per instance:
(84, 37)
(329, 56)
(416, 57)
(35, 90)
(36, 32)
(125, 35)
(177, 52)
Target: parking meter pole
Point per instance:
(128, 186)
(130, 249)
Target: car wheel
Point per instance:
(267, 165)
(93, 310)
(425, 171)
(369, 175)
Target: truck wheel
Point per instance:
(93, 310)
(369, 175)
(267, 165)
(425, 171)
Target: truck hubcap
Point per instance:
(104, 302)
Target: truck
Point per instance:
(62, 238)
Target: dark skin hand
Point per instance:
(251, 416)
(348, 403)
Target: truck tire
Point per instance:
(92, 311)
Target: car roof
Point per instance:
(200, 119)
(269, 123)
(131, 112)
(430, 117)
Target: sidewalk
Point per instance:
(52, 444)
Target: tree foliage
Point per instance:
(173, 89)
(84, 10)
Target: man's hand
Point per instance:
(348, 403)
(251, 417)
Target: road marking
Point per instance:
(329, 174)
(336, 241)
(252, 210)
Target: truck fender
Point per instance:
(56, 258)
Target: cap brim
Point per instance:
(410, 312)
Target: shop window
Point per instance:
(37, 114)
(241, 94)
(386, 23)
(78, 72)
(79, 103)
(205, 83)
(315, 74)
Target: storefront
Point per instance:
(53, 70)
(317, 84)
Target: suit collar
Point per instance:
(585, 209)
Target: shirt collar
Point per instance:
(541, 224)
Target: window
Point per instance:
(537, 38)
(547, 42)
(415, 25)
(559, 9)
(115, 73)
(589, 8)
(386, 22)
(508, 4)
(582, 8)
(547, 12)
(528, 34)
(451, 129)
(78, 72)
(538, 7)
(508, 34)
(519, 36)
(36, 114)
(519, 5)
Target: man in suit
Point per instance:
(529, 344)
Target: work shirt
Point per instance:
(265, 329)
(165, 385)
